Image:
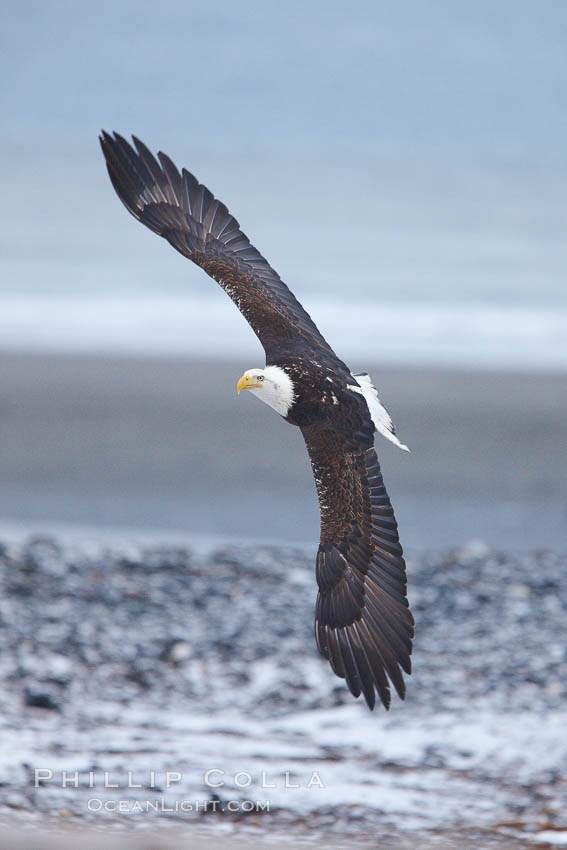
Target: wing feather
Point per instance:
(363, 624)
(176, 206)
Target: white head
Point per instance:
(271, 385)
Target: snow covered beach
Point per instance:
(155, 676)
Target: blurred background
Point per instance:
(403, 167)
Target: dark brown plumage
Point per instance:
(363, 624)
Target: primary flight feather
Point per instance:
(363, 624)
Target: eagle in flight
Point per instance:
(363, 624)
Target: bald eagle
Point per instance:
(363, 624)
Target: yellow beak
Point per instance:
(246, 383)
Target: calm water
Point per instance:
(403, 167)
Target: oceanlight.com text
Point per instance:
(96, 804)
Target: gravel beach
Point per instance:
(127, 665)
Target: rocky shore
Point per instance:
(136, 678)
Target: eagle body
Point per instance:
(363, 624)
(317, 392)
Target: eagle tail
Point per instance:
(379, 414)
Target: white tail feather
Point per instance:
(378, 413)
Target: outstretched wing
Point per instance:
(363, 624)
(183, 211)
